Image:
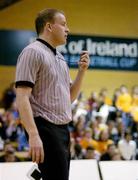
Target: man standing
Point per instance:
(44, 94)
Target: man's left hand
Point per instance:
(84, 61)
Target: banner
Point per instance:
(105, 52)
(11, 44)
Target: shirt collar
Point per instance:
(48, 45)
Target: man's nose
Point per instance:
(67, 30)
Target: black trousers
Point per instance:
(56, 140)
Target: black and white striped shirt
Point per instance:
(44, 69)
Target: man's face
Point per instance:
(59, 29)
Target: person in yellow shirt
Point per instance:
(124, 100)
(104, 95)
(124, 105)
(103, 142)
(135, 96)
(87, 139)
(134, 108)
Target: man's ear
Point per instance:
(48, 26)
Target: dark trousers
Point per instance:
(56, 142)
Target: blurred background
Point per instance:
(105, 115)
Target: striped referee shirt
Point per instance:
(44, 69)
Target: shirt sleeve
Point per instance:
(28, 65)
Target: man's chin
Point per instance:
(63, 42)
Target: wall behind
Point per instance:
(101, 17)
(93, 17)
(94, 79)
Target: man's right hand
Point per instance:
(23, 94)
(36, 148)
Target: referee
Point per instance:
(44, 92)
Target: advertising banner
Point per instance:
(111, 53)
(105, 52)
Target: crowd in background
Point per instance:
(102, 127)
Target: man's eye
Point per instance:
(63, 24)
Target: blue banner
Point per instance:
(105, 52)
(11, 44)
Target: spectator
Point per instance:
(115, 96)
(8, 96)
(86, 129)
(104, 95)
(124, 100)
(10, 127)
(123, 104)
(134, 108)
(116, 156)
(96, 126)
(76, 150)
(9, 153)
(127, 147)
(107, 156)
(21, 139)
(79, 128)
(87, 140)
(113, 131)
(92, 105)
(91, 153)
(103, 142)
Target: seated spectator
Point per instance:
(21, 139)
(96, 125)
(120, 128)
(124, 100)
(124, 104)
(92, 106)
(102, 143)
(107, 156)
(80, 107)
(76, 150)
(9, 153)
(10, 127)
(134, 132)
(92, 101)
(134, 108)
(86, 140)
(116, 156)
(127, 147)
(79, 129)
(104, 95)
(116, 94)
(8, 96)
(113, 131)
(103, 109)
(135, 96)
(1, 144)
(91, 153)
